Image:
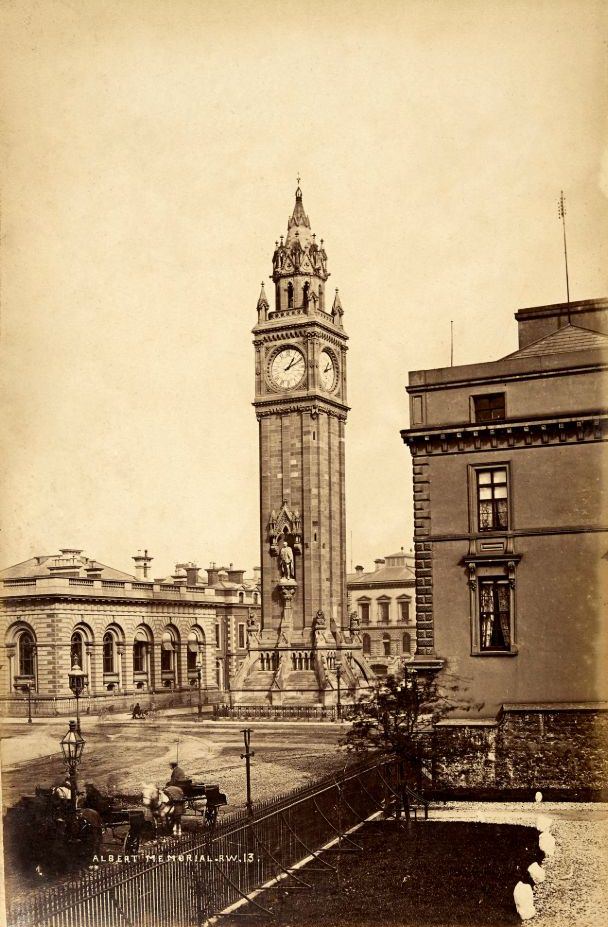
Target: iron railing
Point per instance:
(182, 882)
(282, 712)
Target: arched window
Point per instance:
(386, 644)
(290, 295)
(407, 643)
(194, 650)
(26, 654)
(77, 649)
(168, 655)
(142, 643)
(305, 290)
(255, 598)
(109, 652)
(367, 644)
(241, 597)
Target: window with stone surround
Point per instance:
(77, 649)
(489, 407)
(139, 657)
(364, 612)
(109, 651)
(407, 643)
(492, 499)
(404, 609)
(494, 615)
(26, 654)
(241, 636)
(169, 651)
(384, 606)
(386, 645)
(367, 644)
(492, 583)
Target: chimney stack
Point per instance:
(179, 577)
(358, 568)
(236, 576)
(212, 572)
(93, 569)
(142, 564)
(379, 563)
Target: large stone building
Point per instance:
(300, 403)
(132, 635)
(511, 530)
(384, 601)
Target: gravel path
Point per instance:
(575, 891)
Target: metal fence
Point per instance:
(282, 712)
(103, 704)
(182, 882)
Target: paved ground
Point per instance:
(120, 755)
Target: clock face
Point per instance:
(287, 368)
(327, 371)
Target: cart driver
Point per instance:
(178, 776)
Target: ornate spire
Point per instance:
(299, 220)
(337, 311)
(263, 301)
(263, 305)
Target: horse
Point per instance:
(85, 826)
(46, 835)
(167, 806)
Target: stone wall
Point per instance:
(558, 749)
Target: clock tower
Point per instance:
(300, 402)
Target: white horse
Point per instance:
(167, 806)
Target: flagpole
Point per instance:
(561, 212)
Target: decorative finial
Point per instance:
(298, 179)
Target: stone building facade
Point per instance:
(384, 602)
(132, 635)
(511, 519)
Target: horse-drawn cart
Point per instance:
(202, 799)
(45, 833)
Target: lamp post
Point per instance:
(27, 688)
(199, 677)
(77, 681)
(338, 677)
(72, 745)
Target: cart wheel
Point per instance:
(131, 843)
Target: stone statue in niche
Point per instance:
(286, 561)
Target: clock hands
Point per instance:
(327, 368)
(293, 361)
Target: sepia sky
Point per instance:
(150, 154)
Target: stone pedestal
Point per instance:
(287, 589)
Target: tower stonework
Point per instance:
(300, 402)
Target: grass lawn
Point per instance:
(436, 873)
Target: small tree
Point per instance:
(394, 719)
